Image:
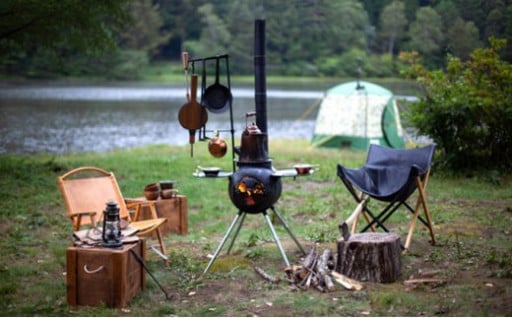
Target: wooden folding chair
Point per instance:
(392, 176)
(86, 191)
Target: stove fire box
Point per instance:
(107, 276)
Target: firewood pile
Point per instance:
(315, 271)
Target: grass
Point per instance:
(472, 216)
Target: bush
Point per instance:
(467, 108)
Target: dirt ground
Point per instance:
(467, 273)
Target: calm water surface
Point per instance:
(102, 118)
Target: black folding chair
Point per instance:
(392, 176)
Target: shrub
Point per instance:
(467, 108)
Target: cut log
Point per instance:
(348, 283)
(372, 257)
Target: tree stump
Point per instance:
(374, 257)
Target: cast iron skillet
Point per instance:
(217, 97)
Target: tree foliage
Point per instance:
(46, 37)
(145, 32)
(462, 38)
(393, 23)
(304, 37)
(52, 24)
(426, 32)
(467, 109)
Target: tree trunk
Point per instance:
(374, 257)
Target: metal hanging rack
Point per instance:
(203, 130)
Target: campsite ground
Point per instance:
(471, 263)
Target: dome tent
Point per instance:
(356, 114)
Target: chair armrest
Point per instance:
(134, 200)
(134, 204)
(78, 214)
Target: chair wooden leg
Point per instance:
(152, 209)
(162, 245)
(412, 226)
(137, 212)
(423, 202)
(427, 216)
(425, 206)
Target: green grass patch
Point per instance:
(472, 217)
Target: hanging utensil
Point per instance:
(184, 60)
(217, 97)
(217, 146)
(202, 131)
(192, 115)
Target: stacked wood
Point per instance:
(315, 271)
(374, 257)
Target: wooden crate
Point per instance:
(107, 276)
(174, 210)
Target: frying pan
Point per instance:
(217, 97)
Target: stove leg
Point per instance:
(288, 230)
(276, 238)
(219, 248)
(236, 232)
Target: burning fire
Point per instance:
(250, 187)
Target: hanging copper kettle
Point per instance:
(217, 146)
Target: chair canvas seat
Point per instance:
(392, 176)
(383, 183)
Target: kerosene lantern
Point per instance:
(111, 235)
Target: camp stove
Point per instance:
(256, 186)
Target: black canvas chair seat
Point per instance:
(392, 176)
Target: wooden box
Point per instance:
(174, 210)
(107, 276)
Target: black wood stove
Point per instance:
(255, 186)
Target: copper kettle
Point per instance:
(217, 146)
(252, 149)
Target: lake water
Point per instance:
(67, 119)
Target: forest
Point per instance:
(118, 39)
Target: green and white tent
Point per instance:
(356, 114)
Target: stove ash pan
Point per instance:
(254, 189)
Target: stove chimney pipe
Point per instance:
(260, 85)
